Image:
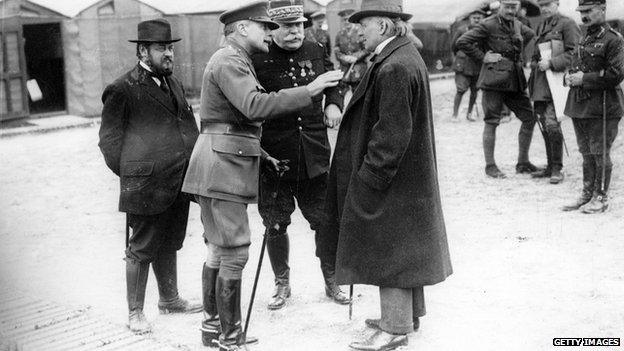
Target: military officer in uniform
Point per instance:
(498, 42)
(316, 33)
(300, 138)
(147, 135)
(224, 166)
(595, 103)
(466, 68)
(350, 51)
(563, 34)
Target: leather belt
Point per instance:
(228, 128)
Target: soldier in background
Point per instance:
(466, 69)
(316, 33)
(350, 51)
(561, 32)
(498, 42)
(300, 138)
(595, 103)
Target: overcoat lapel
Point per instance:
(155, 92)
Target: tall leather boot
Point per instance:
(332, 290)
(136, 281)
(278, 247)
(165, 270)
(556, 145)
(545, 173)
(211, 326)
(489, 142)
(589, 177)
(229, 308)
(599, 201)
(525, 135)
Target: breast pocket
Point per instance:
(235, 170)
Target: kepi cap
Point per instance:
(256, 11)
(286, 11)
(154, 31)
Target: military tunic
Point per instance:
(349, 42)
(466, 68)
(300, 137)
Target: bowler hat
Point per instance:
(286, 11)
(154, 31)
(256, 11)
(585, 5)
(384, 8)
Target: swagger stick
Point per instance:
(350, 301)
(264, 243)
(604, 139)
(127, 231)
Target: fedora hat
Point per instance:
(154, 31)
(385, 8)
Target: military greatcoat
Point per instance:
(384, 215)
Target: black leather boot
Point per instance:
(136, 281)
(165, 270)
(228, 305)
(556, 146)
(525, 135)
(211, 326)
(545, 173)
(278, 248)
(589, 177)
(599, 201)
(332, 290)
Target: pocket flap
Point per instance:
(137, 168)
(236, 145)
(502, 65)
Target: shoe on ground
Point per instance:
(374, 323)
(470, 117)
(179, 305)
(582, 200)
(380, 341)
(492, 171)
(280, 295)
(526, 168)
(543, 173)
(454, 119)
(598, 204)
(137, 322)
(334, 293)
(556, 177)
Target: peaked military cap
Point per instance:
(385, 8)
(154, 31)
(286, 11)
(346, 12)
(585, 5)
(317, 15)
(256, 11)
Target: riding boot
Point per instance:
(598, 202)
(165, 270)
(211, 326)
(332, 290)
(229, 310)
(545, 173)
(278, 247)
(489, 142)
(556, 163)
(525, 135)
(589, 177)
(136, 281)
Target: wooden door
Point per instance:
(13, 93)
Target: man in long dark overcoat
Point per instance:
(383, 205)
(147, 135)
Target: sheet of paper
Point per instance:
(555, 83)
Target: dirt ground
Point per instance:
(525, 272)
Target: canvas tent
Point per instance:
(73, 48)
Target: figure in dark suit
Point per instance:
(301, 138)
(147, 135)
(384, 214)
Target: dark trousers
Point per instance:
(154, 234)
(518, 102)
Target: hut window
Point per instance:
(107, 9)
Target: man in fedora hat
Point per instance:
(301, 138)
(147, 134)
(316, 33)
(349, 50)
(498, 42)
(384, 215)
(562, 34)
(595, 103)
(466, 68)
(224, 167)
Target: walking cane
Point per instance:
(127, 231)
(282, 166)
(604, 139)
(350, 301)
